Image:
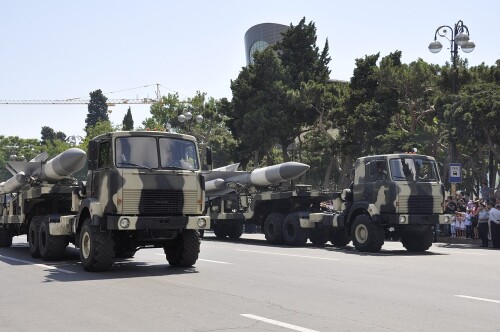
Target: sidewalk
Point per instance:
(447, 239)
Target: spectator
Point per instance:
(483, 216)
(468, 224)
(495, 224)
(474, 213)
(486, 192)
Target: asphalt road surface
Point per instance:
(247, 285)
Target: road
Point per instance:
(247, 285)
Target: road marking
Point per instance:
(478, 298)
(206, 260)
(278, 323)
(458, 253)
(275, 253)
(211, 261)
(40, 265)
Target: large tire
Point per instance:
(417, 241)
(234, 231)
(5, 238)
(183, 252)
(51, 247)
(220, 230)
(273, 228)
(339, 237)
(366, 236)
(318, 236)
(96, 248)
(293, 234)
(34, 236)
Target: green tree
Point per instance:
(128, 121)
(49, 135)
(97, 109)
(99, 128)
(266, 93)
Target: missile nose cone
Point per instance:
(291, 170)
(64, 164)
(72, 160)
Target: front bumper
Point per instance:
(419, 219)
(127, 223)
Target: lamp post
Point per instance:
(459, 39)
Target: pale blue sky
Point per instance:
(65, 49)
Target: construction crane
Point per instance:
(110, 102)
(85, 101)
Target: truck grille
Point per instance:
(153, 202)
(419, 204)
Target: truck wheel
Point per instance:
(318, 236)
(366, 236)
(293, 234)
(184, 250)
(417, 241)
(339, 237)
(96, 248)
(273, 228)
(33, 237)
(51, 247)
(5, 238)
(235, 231)
(220, 230)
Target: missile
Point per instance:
(64, 164)
(277, 173)
(217, 184)
(213, 185)
(13, 183)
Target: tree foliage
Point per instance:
(97, 109)
(128, 121)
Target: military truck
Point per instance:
(398, 196)
(143, 189)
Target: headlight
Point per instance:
(447, 219)
(402, 219)
(124, 223)
(202, 223)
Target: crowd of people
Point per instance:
(475, 219)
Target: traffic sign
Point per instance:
(455, 173)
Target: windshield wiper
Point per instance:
(136, 165)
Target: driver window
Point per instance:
(104, 160)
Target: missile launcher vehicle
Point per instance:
(143, 189)
(392, 196)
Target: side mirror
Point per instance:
(92, 155)
(209, 156)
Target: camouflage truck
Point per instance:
(144, 189)
(398, 196)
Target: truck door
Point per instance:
(378, 185)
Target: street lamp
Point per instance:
(459, 39)
(187, 117)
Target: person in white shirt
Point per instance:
(495, 224)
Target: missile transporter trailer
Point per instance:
(276, 212)
(143, 189)
(398, 196)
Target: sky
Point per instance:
(66, 49)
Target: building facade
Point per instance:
(261, 36)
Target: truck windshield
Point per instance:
(413, 169)
(142, 152)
